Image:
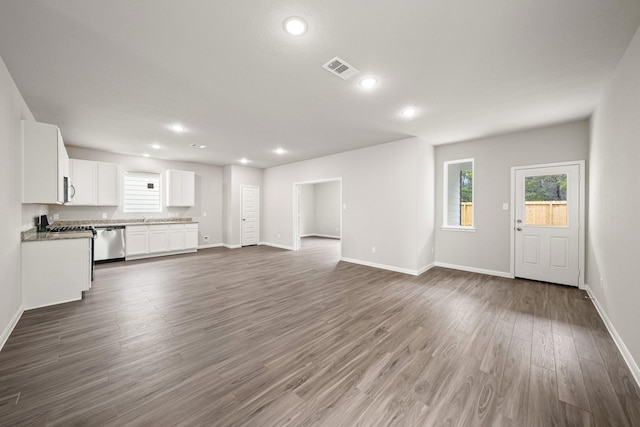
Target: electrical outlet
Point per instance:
(204, 214)
(505, 206)
(373, 249)
(206, 238)
(104, 215)
(56, 216)
(278, 235)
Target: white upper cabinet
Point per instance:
(94, 183)
(45, 163)
(83, 182)
(181, 188)
(108, 184)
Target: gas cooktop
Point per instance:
(62, 228)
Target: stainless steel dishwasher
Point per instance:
(109, 243)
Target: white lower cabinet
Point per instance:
(191, 236)
(176, 237)
(158, 239)
(136, 240)
(143, 241)
(55, 271)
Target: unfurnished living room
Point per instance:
(295, 213)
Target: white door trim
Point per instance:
(296, 210)
(582, 204)
(242, 187)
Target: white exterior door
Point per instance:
(547, 225)
(250, 215)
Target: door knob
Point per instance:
(519, 228)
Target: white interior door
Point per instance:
(250, 215)
(547, 224)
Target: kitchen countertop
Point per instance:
(120, 222)
(33, 236)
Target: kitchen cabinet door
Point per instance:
(84, 176)
(137, 240)
(176, 237)
(108, 184)
(191, 236)
(45, 162)
(180, 188)
(158, 239)
(188, 188)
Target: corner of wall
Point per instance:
(10, 327)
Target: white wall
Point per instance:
(226, 203)
(14, 217)
(307, 210)
(207, 210)
(234, 178)
(327, 209)
(613, 238)
(320, 209)
(425, 216)
(386, 190)
(489, 247)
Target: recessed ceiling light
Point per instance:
(146, 155)
(279, 151)
(295, 26)
(203, 146)
(178, 128)
(368, 82)
(155, 146)
(409, 112)
(244, 161)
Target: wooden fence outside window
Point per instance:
(536, 213)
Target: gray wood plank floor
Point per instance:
(264, 337)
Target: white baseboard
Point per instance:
(211, 245)
(475, 270)
(275, 245)
(426, 268)
(381, 266)
(327, 236)
(231, 246)
(12, 324)
(626, 354)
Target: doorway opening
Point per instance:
(317, 214)
(548, 218)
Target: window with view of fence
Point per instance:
(553, 213)
(466, 213)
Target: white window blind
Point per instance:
(142, 192)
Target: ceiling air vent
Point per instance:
(341, 68)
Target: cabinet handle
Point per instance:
(74, 190)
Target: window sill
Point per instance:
(463, 229)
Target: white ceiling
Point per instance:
(113, 75)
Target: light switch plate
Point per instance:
(505, 206)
